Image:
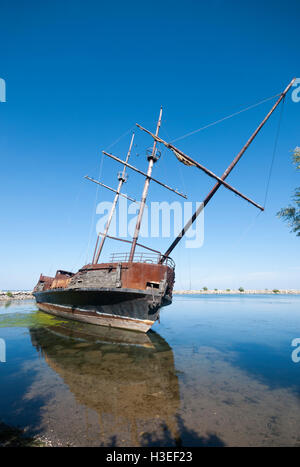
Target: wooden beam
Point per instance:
(201, 167)
(130, 241)
(145, 175)
(109, 188)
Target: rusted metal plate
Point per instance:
(125, 275)
(44, 283)
(61, 279)
(137, 275)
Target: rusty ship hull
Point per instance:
(122, 295)
(129, 292)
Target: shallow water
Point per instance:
(216, 371)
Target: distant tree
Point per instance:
(205, 288)
(291, 214)
(275, 291)
(241, 289)
(227, 290)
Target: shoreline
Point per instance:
(27, 295)
(238, 292)
(15, 437)
(17, 295)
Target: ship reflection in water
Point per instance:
(128, 379)
(219, 372)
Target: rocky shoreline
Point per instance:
(27, 295)
(237, 292)
(15, 437)
(19, 295)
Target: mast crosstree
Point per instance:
(122, 179)
(152, 159)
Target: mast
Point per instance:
(122, 179)
(225, 175)
(152, 158)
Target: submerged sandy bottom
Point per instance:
(217, 371)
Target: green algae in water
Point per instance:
(217, 371)
(28, 319)
(14, 437)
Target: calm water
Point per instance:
(216, 371)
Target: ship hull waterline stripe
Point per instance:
(102, 319)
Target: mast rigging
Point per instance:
(225, 174)
(152, 159)
(122, 179)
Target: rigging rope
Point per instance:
(120, 137)
(97, 189)
(224, 118)
(269, 176)
(179, 167)
(274, 152)
(247, 229)
(187, 283)
(189, 265)
(94, 210)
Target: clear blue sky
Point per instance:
(80, 73)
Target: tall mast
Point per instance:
(152, 158)
(225, 175)
(122, 179)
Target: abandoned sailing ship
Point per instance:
(129, 291)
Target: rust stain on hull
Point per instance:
(123, 295)
(98, 318)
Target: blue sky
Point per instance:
(80, 74)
